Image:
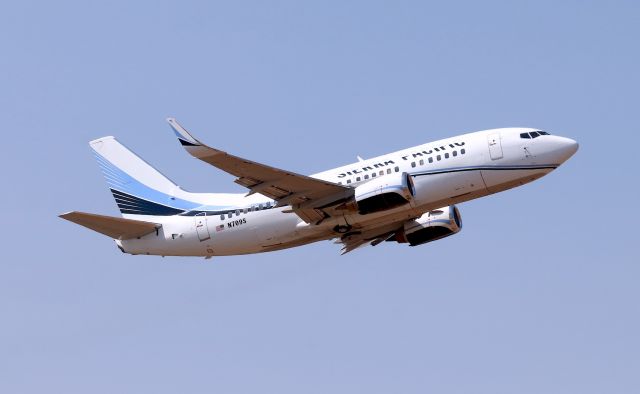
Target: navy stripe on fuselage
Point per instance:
(240, 211)
(487, 168)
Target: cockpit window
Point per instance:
(533, 134)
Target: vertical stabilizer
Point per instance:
(138, 188)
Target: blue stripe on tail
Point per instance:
(134, 197)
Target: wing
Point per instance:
(307, 196)
(117, 228)
(355, 241)
(372, 235)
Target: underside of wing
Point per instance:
(368, 236)
(116, 228)
(307, 196)
(353, 242)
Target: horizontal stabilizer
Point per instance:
(116, 228)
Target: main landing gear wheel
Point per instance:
(342, 229)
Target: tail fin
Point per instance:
(138, 188)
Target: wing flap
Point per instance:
(116, 228)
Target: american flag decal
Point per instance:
(220, 227)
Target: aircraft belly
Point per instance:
(499, 180)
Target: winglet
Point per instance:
(194, 147)
(183, 135)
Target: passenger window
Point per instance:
(222, 217)
(381, 173)
(397, 169)
(455, 153)
(462, 151)
(431, 160)
(246, 210)
(525, 135)
(358, 179)
(237, 212)
(388, 170)
(260, 207)
(413, 164)
(348, 180)
(366, 176)
(438, 158)
(373, 175)
(230, 215)
(446, 155)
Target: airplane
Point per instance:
(408, 196)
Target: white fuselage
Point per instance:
(443, 173)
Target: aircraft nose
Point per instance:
(565, 148)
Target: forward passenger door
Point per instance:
(495, 146)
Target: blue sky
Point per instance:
(538, 293)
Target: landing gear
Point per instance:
(342, 229)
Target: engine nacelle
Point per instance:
(383, 193)
(431, 226)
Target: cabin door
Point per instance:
(495, 146)
(201, 226)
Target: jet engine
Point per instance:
(431, 226)
(383, 193)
